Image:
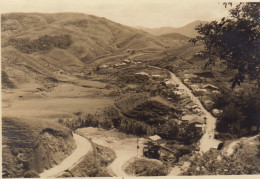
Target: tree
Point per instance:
(235, 41)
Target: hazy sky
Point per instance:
(147, 13)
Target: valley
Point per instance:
(85, 96)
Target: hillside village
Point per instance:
(83, 96)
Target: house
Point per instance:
(210, 86)
(192, 119)
(104, 66)
(156, 77)
(209, 104)
(155, 138)
(169, 83)
(194, 87)
(142, 74)
(126, 61)
(199, 92)
(217, 112)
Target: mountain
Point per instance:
(36, 45)
(187, 30)
(176, 36)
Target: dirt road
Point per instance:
(207, 141)
(123, 154)
(123, 144)
(122, 157)
(83, 147)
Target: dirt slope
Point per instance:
(32, 144)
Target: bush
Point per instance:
(144, 167)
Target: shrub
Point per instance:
(144, 167)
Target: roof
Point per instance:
(155, 138)
(142, 73)
(210, 86)
(192, 119)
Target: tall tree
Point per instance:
(235, 41)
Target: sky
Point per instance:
(146, 13)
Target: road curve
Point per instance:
(122, 157)
(83, 147)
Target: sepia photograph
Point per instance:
(130, 88)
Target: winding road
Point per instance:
(122, 156)
(83, 147)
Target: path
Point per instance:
(83, 147)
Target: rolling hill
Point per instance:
(187, 30)
(35, 45)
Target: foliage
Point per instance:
(235, 41)
(45, 42)
(239, 112)
(243, 161)
(144, 167)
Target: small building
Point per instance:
(169, 83)
(117, 65)
(142, 73)
(126, 61)
(104, 66)
(155, 77)
(199, 92)
(155, 138)
(216, 93)
(209, 104)
(216, 112)
(194, 87)
(210, 86)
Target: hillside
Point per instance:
(33, 145)
(35, 45)
(187, 30)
